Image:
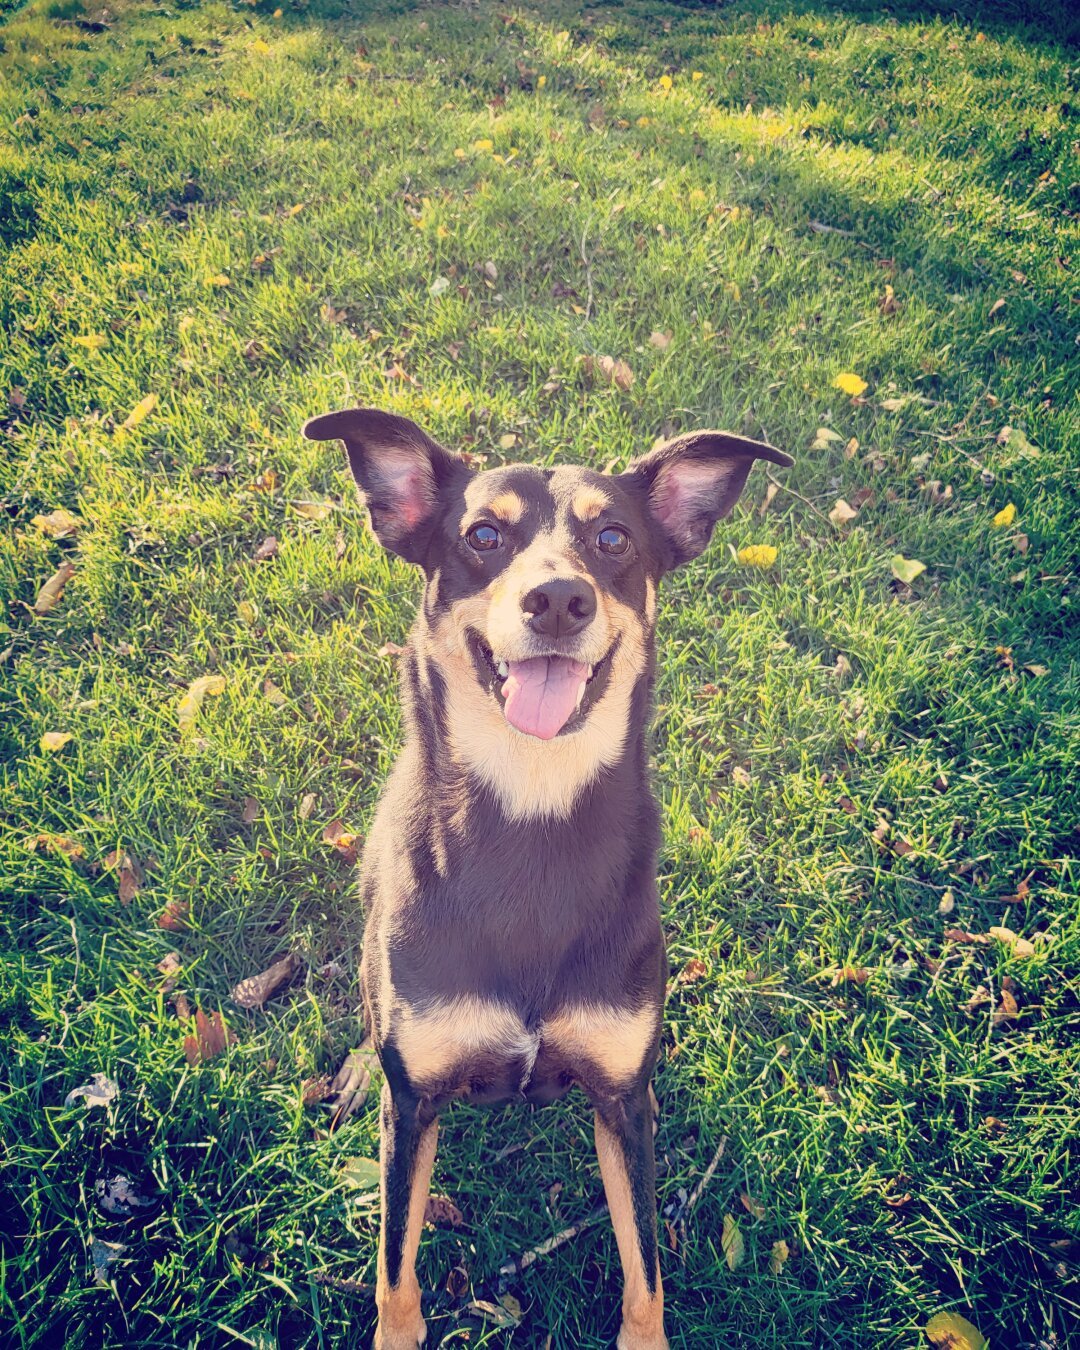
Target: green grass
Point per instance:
(943, 160)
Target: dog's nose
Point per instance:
(560, 608)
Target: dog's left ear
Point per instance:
(400, 471)
(693, 481)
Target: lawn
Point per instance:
(218, 220)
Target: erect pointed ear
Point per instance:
(694, 480)
(401, 473)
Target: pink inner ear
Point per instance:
(682, 489)
(408, 485)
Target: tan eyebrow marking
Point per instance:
(507, 507)
(589, 502)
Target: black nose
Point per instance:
(560, 608)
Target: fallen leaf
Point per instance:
(313, 510)
(439, 1209)
(906, 569)
(824, 437)
(210, 1039)
(274, 695)
(119, 1196)
(962, 936)
(93, 342)
(343, 841)
(950, 1331)
(250, 813)
(850, 383)
(508, 441)
(694, 969)
(314, 1090)
(607, 370)
(752, 1206)
(257, 989)
(1033, 668)
(731, 1241)
(174, 917)
(947, 903)
(662, 341)
(757, 555)
(140, 412)
(740, 776)
(267, 549)
(770, 493)
(130, 879)
(307, 805)
(778, 1257)
(457, 1281)
(363, 1173)
(50, 593)
(888, 303)
(978, 998)
(997, 305)
(842, 513)
(349, 1088)
(1004, 517)
(850, 975)
(1020, 946)
(56, 843)
(58, 524)
(103, 1254)
(219, 280)
(100, 1091)
(390, 649)
(492, 1312)
(192, 701)
(170, 966)
(52, 741)
(846, 804)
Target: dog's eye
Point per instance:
(612, 540)
(483, 537)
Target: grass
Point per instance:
(331, 164)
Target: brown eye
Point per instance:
(612, 540)
(483, 537)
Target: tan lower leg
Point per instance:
(401, 1323)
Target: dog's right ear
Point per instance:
(400, 472)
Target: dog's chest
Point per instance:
(482, 1048)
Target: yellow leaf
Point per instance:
(247, 611)
(459, 153)
(260, 46)
(541, 81)
(1020, 946)
(850, 383)
(696, 75)
(484, 144)
(55, 740)
(140, 412)
(92, 341)
(665, 82)
(295, 210)
(192, 701)
(731, 1240)
(778, 1256)
(563, 37)
(1004, 517)
(642, 122)
(218, 279)
(508, 441)
(906, 569)
(757, 555)
(58, 524)
(275, 695)
(842, 513)
(50, 593)
(312, 510)
(953, 1332)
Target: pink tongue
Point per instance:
(542, 693)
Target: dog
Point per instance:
(513, 946)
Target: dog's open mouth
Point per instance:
(542, 696)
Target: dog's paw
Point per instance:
(396, 1336)
(641, 1338)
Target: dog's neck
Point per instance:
(464, 735)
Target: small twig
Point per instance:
(792, 493)
(519, 1263)
(430, 1299)
(819, 228)
(588, 276)
(706, 1177)
(73, 991)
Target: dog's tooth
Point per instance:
(580, 693)
(504, 669)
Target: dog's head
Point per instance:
(541, 583)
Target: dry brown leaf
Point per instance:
(256, 989)
(275, 695)
(56, 843)
(267, 549)
(778, 1257)
(842, 513)
(965, 938)
(342, 840)
(608, 370)
(58, 524)
(440, 1209)
(210, 1039)
(1008, 1010)
(349, 1089)
(174, 917)
(846, 804)
(850, 975)
(130, 879)
(693, 971)
(770, 493)
(315, 1090)
(389, 649)
(752, 1206)
(307, 805)
(662, 341)
(50, 593)
(250, 813)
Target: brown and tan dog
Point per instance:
(513, 946)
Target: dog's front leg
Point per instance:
(624, 1145)
(407, 1154)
